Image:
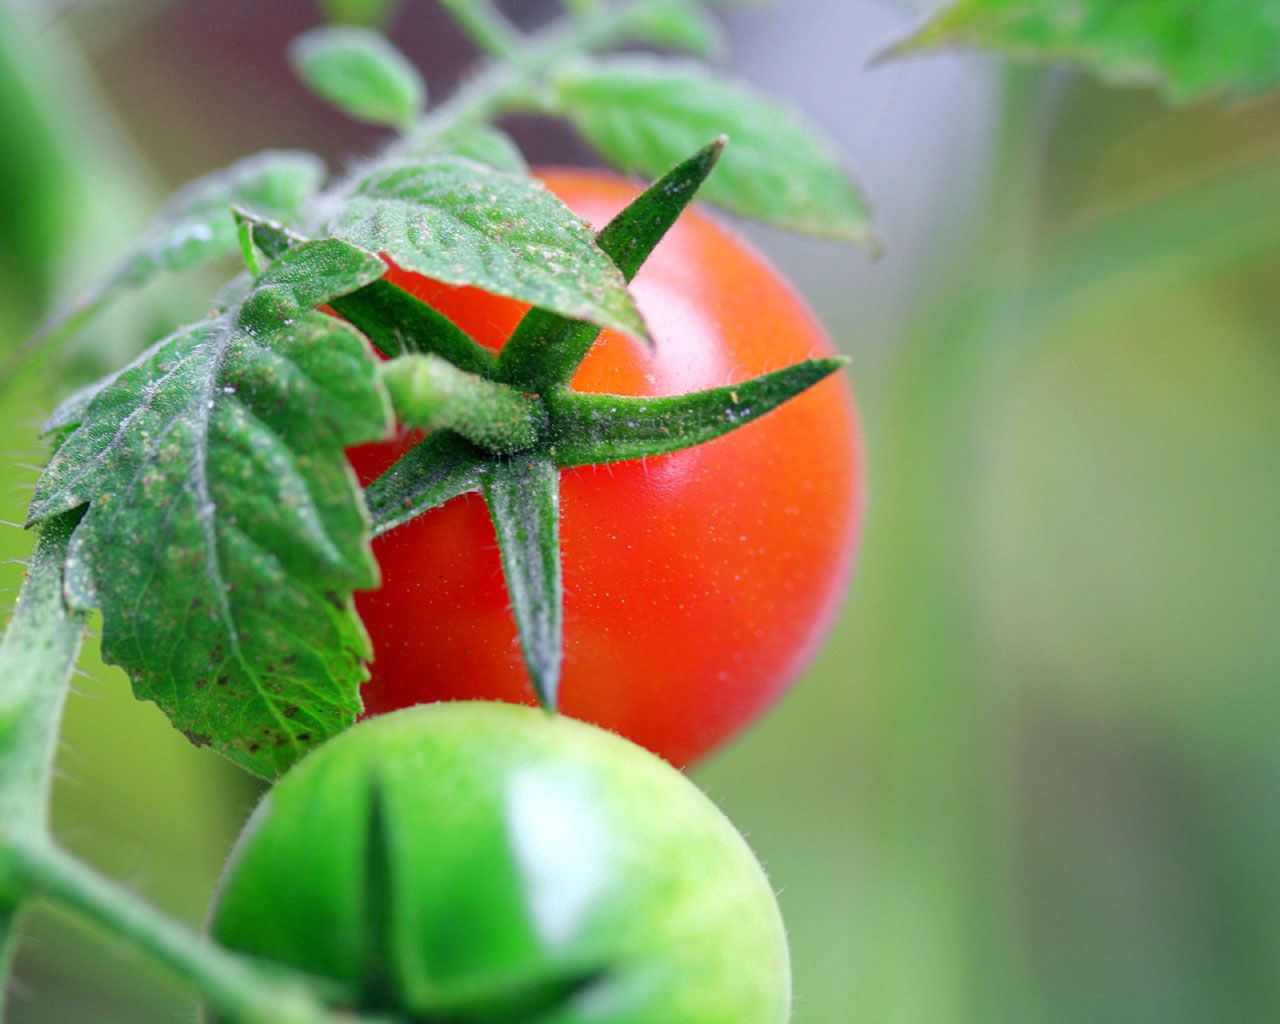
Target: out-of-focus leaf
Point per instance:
(1188, 48)
(645, 115)
(373, 13)
(677, 25)
(196, 227)
(359, 71)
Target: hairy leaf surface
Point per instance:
(463, 223)
(225, 532)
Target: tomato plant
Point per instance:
(698, 583)
(627, 486)
(490, 862)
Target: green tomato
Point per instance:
(482, 862)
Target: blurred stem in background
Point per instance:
(944, 945)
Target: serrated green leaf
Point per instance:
(224, 532)
(677, 25)
(546, 349)
(465, 224)
(594, 429)
(523, 495)
(644, 114)
(361, 73)
(474, 140)
(396, 322)
(1188, 48)
(433, 471)
(197, 226)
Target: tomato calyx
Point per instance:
(506, 425)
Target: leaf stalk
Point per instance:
(233, 988)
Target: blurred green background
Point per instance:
(1035, 774)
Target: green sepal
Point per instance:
(546, 349)
(396, 322)
(432, 472)
(429, 392)
(592, 429)
(401, 324)
(523, 495)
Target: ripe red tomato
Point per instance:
(698, 585)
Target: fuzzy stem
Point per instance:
(233, 988)
(430, 392)
(37, 656)
(488, 29)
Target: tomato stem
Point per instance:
(488, 29)
(236, 990)
(37, 655)
(429, 392)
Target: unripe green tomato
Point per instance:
(482, 862)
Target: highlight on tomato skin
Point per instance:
(480, 861)
(698, 585)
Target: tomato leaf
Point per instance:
(677, 25)
(1187, 48)
(643, 114)
(361, 73)
(465, 224)
(429, 474)
(594, 429)
(474, 140)
(396, 322)
(224, 532)
(196, 227)
(523, 495)
(545, 349)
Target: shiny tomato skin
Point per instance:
(698, 585)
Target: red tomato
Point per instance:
(698, 585)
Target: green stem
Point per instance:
(431, 393)
(37, 656)
(519, 86)
(488, 29)
(234, 989)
